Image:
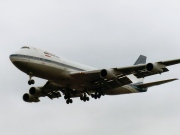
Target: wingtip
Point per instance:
(174, 79)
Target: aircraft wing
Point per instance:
(144, 70)
(116, 77)
(51, 90)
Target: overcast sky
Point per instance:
(98, 33)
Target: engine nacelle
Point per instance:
(36, 92)
(30, 98)
(152, 67)
(107, 74)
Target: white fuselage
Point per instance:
(42, 64)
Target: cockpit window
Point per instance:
(25, 47)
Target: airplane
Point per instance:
(77, 80)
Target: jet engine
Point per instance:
(152, 67)
(37, 92)
(30, 98)
(107, 74)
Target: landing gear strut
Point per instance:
(31, 81)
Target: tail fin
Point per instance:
(140, 60)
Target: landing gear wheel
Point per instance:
(66, 97)
(99, 96)
(29, 82)
(81, 98)
(87, 98)
(67, 101)
(84, 97)
(95, 96)
(70, 101)
(32, 81)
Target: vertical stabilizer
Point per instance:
(140, 60)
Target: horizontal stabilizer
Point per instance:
(147, 85)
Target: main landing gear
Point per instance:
(97, 95)
(84, 97)
(68, 100)
(31, 81)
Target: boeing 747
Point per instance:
(76, 80)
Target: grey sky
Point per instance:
(101, 34)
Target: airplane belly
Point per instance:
(45, 71)
(21, 66)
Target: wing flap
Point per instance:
(145, 73)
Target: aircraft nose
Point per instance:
(10, 57)
(17, 62)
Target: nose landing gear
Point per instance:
(31, 81)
